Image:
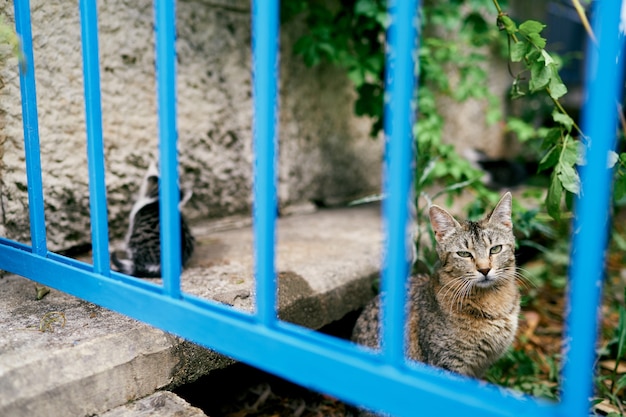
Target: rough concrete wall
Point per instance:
(61, 128)
(465, 124)
(325, 152)
(325, 138)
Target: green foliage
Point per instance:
(541, 71)
(350, 37)
(522, 371)
(562, 149)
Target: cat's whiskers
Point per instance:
(452, 285)
(467, 288)
(456, 295)
(461, 290)
(520, 275)
(449, 286)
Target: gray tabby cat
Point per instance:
(142, 252)
(464, 316)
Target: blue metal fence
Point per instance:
(382, 381)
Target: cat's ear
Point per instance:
(442, 222)
(149, 189)
(502, 212)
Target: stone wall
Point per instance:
(325, 152)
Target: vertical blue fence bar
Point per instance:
(95, 146)
(265, 79)
(169, 193)
(398, 124)
(31, 129)
(599, 118)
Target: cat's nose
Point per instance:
(484, 271)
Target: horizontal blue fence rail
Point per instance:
(381, 381)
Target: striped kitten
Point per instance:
(142, 253)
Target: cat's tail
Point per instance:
(125, 266)
(185, 194)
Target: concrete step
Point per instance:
(62, 356)
(161, 404)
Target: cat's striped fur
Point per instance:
(141, 256)
(464, 316)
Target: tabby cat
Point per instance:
(464, 316)
(142, 253)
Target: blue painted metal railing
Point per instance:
(383, 381)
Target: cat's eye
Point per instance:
(495, 249)
(464, 254)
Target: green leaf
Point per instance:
(563, 119)
(537, 40)
(533, 55)
(570, 154)
(556, 86)
(539, 76)
(518, 51)
(547, 59)
(596, 401)
(531, 27)
(557, 89)
(478, 28)
(619, 187)
(569, 178)
(620, 241)
(524, 131)
(621, 332)
(551, 137)
(357, 76)
(327, 49)
(553, 199)
(549, 159)
(382, 17)
(493, 115)
(564, 170)
(366, 7)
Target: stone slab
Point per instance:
(161, 404)
(61, 356)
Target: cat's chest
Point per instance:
(493, 334)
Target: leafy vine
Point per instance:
(562, 150)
